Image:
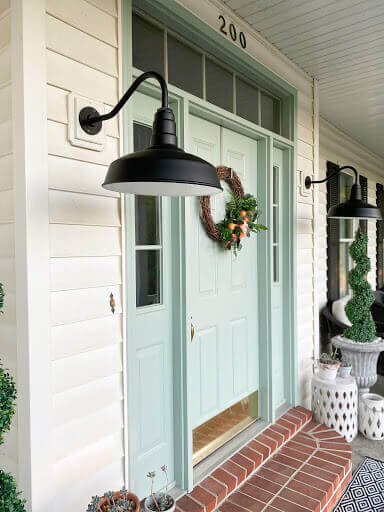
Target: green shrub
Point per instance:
(363, 328)
(7, 401)
(10, 500)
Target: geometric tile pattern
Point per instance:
(295, 465)
(366, 490)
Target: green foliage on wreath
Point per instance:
(2, 294)
(357, 309)
(10, 500)
(7, 401)
(231, 239)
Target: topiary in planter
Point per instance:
(10, 500)
(363, 327)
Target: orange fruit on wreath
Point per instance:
(231, 226)
(243, 213)
(245, 219)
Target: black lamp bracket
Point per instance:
(308, 180)
(91, 120)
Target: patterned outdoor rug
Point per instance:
(365, 492)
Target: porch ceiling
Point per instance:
(339, 42)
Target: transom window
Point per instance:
(186, 66)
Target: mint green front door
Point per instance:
(221, 288)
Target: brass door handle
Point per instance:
(192, 331)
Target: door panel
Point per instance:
(222, 287)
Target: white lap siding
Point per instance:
(8, 351)
(343, 150)
(86, 258)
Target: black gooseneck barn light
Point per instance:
(163, 168)
(355, 207)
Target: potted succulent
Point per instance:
(359, 343)
(159, 501)
(328, 365)
(120, 501)
(345, 369)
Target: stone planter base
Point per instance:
(363, 357)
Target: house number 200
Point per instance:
(232, 32)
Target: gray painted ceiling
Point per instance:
(339, 42)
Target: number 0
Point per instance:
(243, 41)
(232, 31)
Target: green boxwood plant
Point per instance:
(357, 309)
(10, 500)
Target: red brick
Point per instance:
(274, 477)
(214, 487)
(305, 501)
(311, 425)
(257, 493)
(328, 466)
(335, 446)
(269, 443)
(230, 507)
(288, 461)
(263, 483)
(287, 506)
(245, 463)
(186, 504)
(295, 454)
(263, 450)
(330, 435)
(308, 490)
(329, 476)
(293, 418)
(306, 412)
(342, 459)
(317, 483)
(204, 497)
(235, 470)
(225, 478)
(246, 502)
(256, 457)
(279, 468)
(279, 438)
(285, 432)
(292, 427)
(305, 440)
(300, 447)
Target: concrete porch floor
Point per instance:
(362, 447)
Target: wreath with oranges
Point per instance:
(241, 214)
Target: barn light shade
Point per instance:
(163, 169)
(355, 207)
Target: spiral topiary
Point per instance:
(363, 327)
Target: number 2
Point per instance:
(221, 17)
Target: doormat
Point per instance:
(365, 492)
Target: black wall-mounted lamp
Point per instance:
(163, 168)
(355, 207)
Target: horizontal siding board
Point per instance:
(86, 17)
(6, 206)
(7, 240)
(6, 172)
(78, 273)
(108, 6)
(88, 399)
(78, 434)
(6, 138)
(5, 30)
(76, 77)
(57, 108)
(5, 103)
(77, 176)
(79, 305)
(81, 369)
(59, 145)
(71, 339)
(73, 43)
(88, 461)
(84, 209)
(69, 241)
(5, 65)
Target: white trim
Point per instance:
(30, 150)
(316, 220)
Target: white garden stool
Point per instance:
(335, 403)
(371, 416)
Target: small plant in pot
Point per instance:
(328, 366)
(120, 501)
(159, 501)
(345, 368)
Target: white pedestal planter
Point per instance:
(371, 416)
(334, 403)
(363, 357)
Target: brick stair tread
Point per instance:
(293, 465)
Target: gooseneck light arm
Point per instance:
(309, 181)
(90, 119)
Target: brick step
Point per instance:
(294, 465)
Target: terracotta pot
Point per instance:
(117, 495)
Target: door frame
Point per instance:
(183, 105)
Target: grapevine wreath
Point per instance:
(241, 214)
